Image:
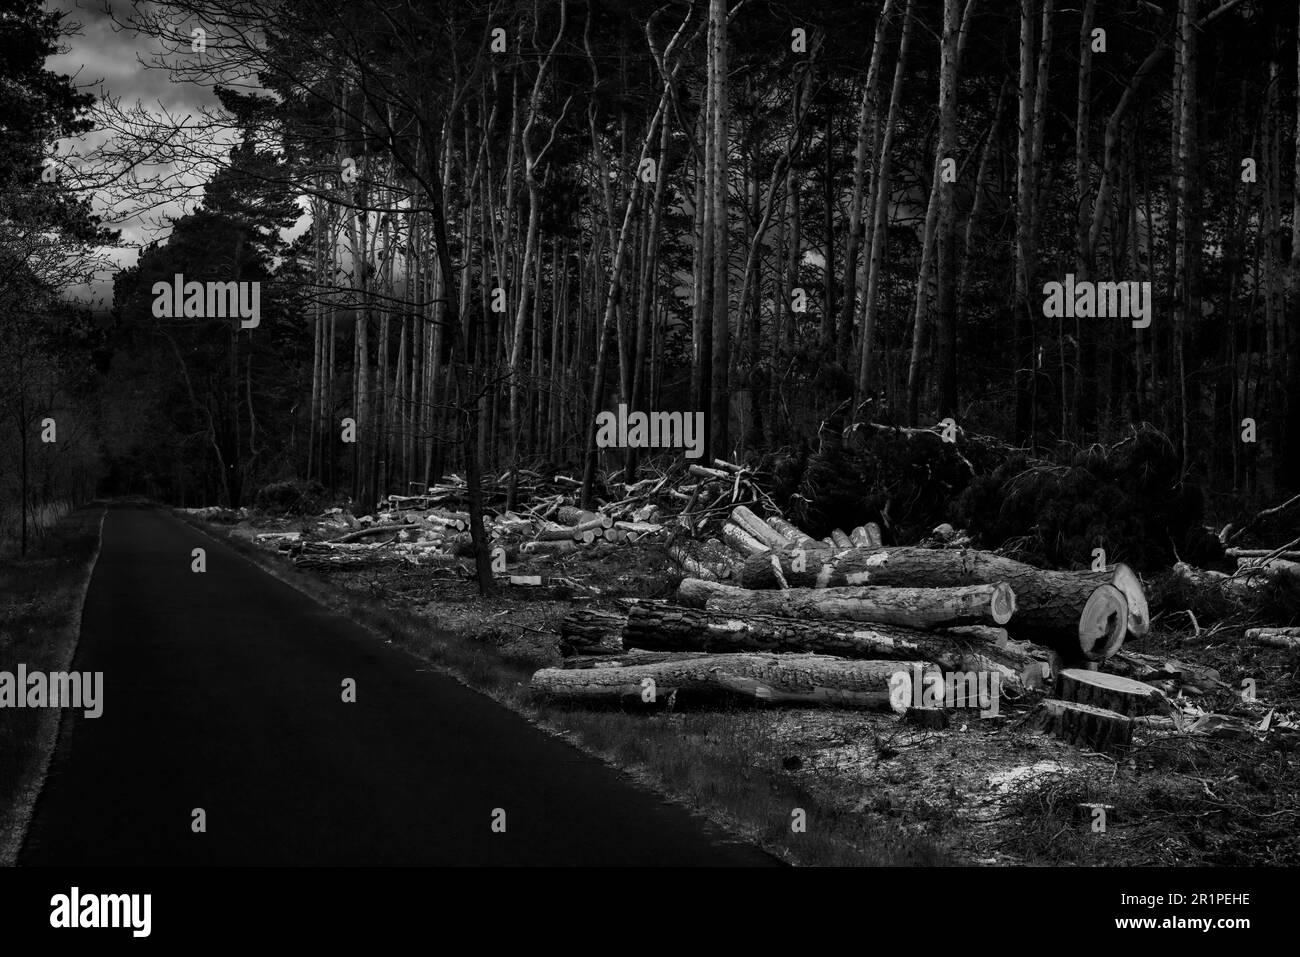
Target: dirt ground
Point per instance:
(986, 790)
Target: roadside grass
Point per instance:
(41, 518)
(41, 598)
(722, 763)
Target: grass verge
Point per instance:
(41, 598)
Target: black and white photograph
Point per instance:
(652, 434)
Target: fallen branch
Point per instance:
(1274, 637)
(1260, 516)
(368, 531)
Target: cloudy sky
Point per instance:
(104, 59)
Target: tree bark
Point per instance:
(1083, 725)
(879, 214)
(866, 110)
(1026, 363)
(720, 406)
(658, 627)
(1045, 600)
(592, 633)
(742, 541)
(703, 561)
(668, 628)
(770, 679)
(946, 325)
(758, 528)
(1288, 639)
(796, 535)
(920, 608)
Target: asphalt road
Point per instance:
(223, 691)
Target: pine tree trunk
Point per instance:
(720, 407)
(946, 325)
(1023, 268)
(880, 212)
(867, 109)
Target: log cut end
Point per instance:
(1139, 616)
(1103, 623)
(1003, 605)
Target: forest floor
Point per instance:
(874, 790)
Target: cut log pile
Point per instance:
(772, 567)
(769, 612)
(422, 530)
(766, 612)
(431, 527)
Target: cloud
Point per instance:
(105, 59)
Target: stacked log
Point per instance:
(911, 607)
(951, 608)
(757, 529)
(677, 628)
(743, 542)
(667, 628)
(767, 678)
(592, 633)
(794, 534)
(709, 560)
(1050, 606)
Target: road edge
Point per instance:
(717, 827)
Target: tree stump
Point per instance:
(1083, 725)
(1110, 692)
(932, 719)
